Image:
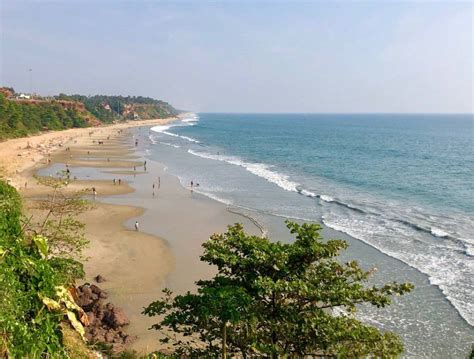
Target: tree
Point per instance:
(59, 222)
(50, 119)
(34, 300)
(272, 299)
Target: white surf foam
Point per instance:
(214, 197)
(470, 251)
(152, 139)
(437, 232)
(449, 271)
(307, 193)
(169, 144)
(163, 129)
(191, 119)
(325, 198)
(258, 169)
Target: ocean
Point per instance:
(399, 187)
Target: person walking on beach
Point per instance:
(120, 181)
(153, 186)
(115, 182)
(159, 182)
(136, 226)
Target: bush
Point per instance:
(28, 278)
(270, 299)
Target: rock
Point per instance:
(99, 313)
(105, 320)
(95, 289)
(116, 318)
(89, 336)
(91, 317)
(86, 297)
(110, 336)
(98, 338)
(86, 290)
(99, 279)
(128, 339)
(84, 301)
(118, 339)
(117, 348)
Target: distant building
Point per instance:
(24, 96)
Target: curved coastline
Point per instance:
(136, 264)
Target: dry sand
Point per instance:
(18, 155)
(132, 262)
(136, 265)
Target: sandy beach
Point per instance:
(19, 155)
(174, 222)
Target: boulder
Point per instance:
(99, 279)
(115, 318)
(105, 320)
(91, 317)
(109, 336)
(128, 339)
(95, 289)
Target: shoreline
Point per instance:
(19, 156)
(410, 317)
(137, 265)
(114, 251)
(165, 219)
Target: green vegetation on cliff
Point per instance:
(20, 118)
(34, 300)
(112, 108)
(21, 115)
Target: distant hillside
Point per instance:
(112, 108)
(22, 115)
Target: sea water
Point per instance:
(399, 184)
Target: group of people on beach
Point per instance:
(155, 185)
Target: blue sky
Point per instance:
(246, 56)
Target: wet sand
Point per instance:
(173, 224)
(18, 156)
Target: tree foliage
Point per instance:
(271, 299)
(19, 119)
(33, 281)
(22, 118)
(110, 108)
(59, 222)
